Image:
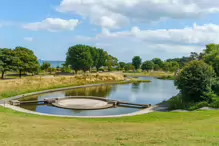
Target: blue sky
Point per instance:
(124, 28)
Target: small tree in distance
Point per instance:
(136, 62)
(147, 65)
(45, 66)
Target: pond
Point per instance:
(143, 93)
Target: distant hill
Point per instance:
(53, 63)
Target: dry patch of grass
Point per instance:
(150, 74)
(14, 87)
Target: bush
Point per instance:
(199, 105)
(176, 102)
(215, 103)
(195, 81)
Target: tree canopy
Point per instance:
(136, 62)
(195, 80)
(147, 65)
(158, 62)
(79, 57)
(7, 61)
(26, 60)
(122, 65)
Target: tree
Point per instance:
(195, 80)
(211, 56)
(194, 56)
(166, 66)
(136, 62)
(158, 61)
(122, 65)
(129, 67)
(173, 66)
(94, 55)
(79, 57)
(26, 61)
(111, 62)
(156, 67)
(147, 65)
(101, 59)
(45, 66)
(7, 61)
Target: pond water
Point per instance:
(143, 93)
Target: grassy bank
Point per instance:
(14, 87)
(194, 128)
(150, 74)
(167, 77)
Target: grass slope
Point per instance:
(195, 128)
(9, 88)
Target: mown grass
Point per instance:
(194, 128)
(150, 74)
(14, 87)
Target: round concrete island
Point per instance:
(82, 103)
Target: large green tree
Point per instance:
(129, 67)
(122, 65)
(158, 62)
(26, 61)
(173, 66)
(136, 62)
(211, 56)
(79, 57)
(195, 81)
(94, 54)
(101, 58)
(7, 61)
(111, 62)
(147, 65)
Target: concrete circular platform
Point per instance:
(82, 103)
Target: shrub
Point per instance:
(195, 81)
(214, 103)
(199, 105)
(176, 102)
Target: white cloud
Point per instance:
(117, 13)
(156, 43)
(28, 39)
(53, 25)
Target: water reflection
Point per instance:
(144, 93)
(100, 91)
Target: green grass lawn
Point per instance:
(194, 128)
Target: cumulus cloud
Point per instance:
(171, 42)
(53, 25)
(28, 39)
(118, 13)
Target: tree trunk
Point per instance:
(20, 73)
(3, 74)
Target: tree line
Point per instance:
(86, 58)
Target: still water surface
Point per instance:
(144, 93)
